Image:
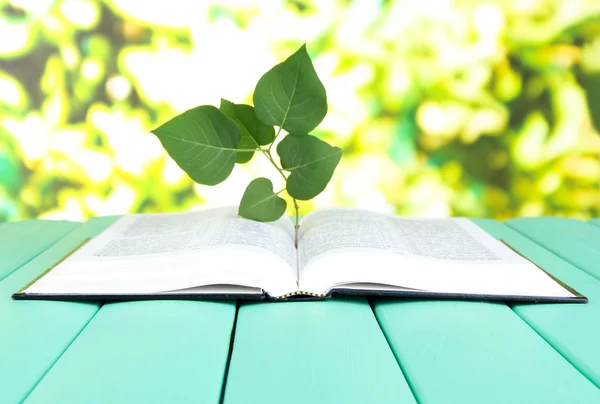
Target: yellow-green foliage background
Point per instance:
(442, 107)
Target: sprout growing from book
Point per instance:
(207, 142)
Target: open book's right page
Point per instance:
(351, 248)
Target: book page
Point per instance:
(336, 230)
(152, 253)
(343, 246)
(168, 233)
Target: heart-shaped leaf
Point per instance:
(203, 142)
(291, 95)
(260, 203)
(311, 163)
(253, 132)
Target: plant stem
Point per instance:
(275, 138)
(268, 155)
(297, 225)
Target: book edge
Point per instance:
(40, 276)
(554, 278)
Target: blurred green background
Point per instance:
(463, 108)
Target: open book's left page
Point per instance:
(157, 253)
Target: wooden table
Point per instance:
(338, 351)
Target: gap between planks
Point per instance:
(230, 353)
(33, 387)
(407, 377)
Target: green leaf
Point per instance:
(203, 142)
(260, 202)
(311, 163)
(253, 132)
(291, 95)
(591, 84)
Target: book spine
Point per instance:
(301, 293)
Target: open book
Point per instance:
(214, 253)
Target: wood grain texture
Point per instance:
(575, 241)
(35, 333)
(472, 352)
(23, 241)
(573, 330)
(161, 351)
(296, 352)
(144, 352)
(312, 352)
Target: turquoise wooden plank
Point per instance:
(35, 333)
(573, 330)
(575, 241)
(144, 352)
(595, 221)
(22, 241)
(472, 352)
(312, 352)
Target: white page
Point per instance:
(165, 234)
(340, 246)
(338, 229)
(161, 252)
